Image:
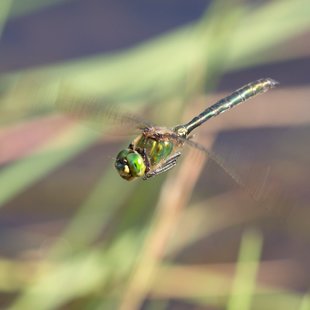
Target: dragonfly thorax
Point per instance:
(181, 131)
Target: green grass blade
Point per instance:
(305, 302)
(5, 7)
(26, 7)
(19, 176)
(272, 24)
(243, 288)
(158, 67)
(96, 212)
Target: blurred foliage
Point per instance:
(172, 68)
(30, 6)
(4, 12)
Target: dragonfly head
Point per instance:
(130, 164)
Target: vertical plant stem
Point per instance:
(5, 6)
(305, 302)
(247, 266)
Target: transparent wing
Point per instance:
(99, 114)
(254, 191)
(216, 158)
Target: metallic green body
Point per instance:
(240, 95)
(156, 150)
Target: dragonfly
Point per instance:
(157, 149)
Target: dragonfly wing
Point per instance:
(100, 115)
(217, 159)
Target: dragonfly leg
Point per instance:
(167, 165)
(146, 160)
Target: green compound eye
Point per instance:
(129, 164)
(136, 164)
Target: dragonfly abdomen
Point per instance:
(241, 95)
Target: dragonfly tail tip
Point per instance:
(273, 82)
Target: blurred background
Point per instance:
(74, 235)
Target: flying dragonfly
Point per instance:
(157, 149)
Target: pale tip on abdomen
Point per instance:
(272, 82)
